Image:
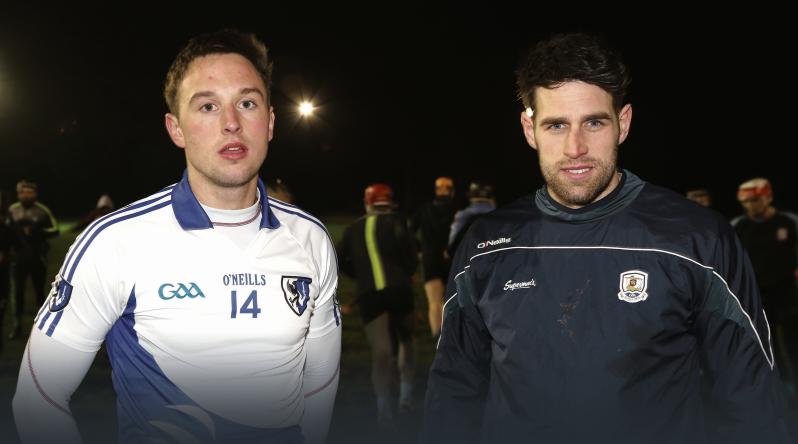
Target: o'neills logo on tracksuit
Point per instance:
(490, 243)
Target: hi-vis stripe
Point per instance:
(76, 251)
(768, 357)
(374, 252)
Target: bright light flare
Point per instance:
(306, 109)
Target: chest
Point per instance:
(583, 298)
(203, 294)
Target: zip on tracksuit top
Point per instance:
(603, 324)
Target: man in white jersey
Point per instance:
(216, 303)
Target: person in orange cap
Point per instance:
(432, 220)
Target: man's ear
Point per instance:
(624, 122)
(528, 125)
(174, 130)
(271, 123)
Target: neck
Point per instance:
(765, 215)
(225, 198)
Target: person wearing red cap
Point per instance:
(769, 236)
(379, 252)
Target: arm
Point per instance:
(49, 374)
(50, 226)
(460, 372)
(66, 335)
(746, 395)
(323, 352)
(320, 384)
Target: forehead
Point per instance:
(220, 73)
(572, 99)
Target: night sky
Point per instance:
(406, 93)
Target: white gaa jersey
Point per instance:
(203, 336)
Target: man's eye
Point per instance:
(556, 126)
(208, 107)
(249, 104)
(595, 124)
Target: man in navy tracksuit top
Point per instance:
(587, 312)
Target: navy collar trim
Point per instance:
(191, 216)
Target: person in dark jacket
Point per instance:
(587, 311)
(33, 224)
(380, 253)
(481, 200)
(433, 220)
(770, 236)
(5, 275)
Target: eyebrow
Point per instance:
(594, 116)
(242, 92)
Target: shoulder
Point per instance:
(520, 212)
(789, 215)
(506, 226)
(666, 210)
(131, 221)
(127, 226)
(738, 220)
(42, 207)
(302, 225)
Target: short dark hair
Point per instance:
(572, 57)
(24, 183)
(226, 41)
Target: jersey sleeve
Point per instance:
(85, 299)
(326, 316)
(48, 375)
(746, 396)
(460, 371)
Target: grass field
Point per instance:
(354, 418)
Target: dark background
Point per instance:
(406, 93)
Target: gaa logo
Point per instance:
(180, 291)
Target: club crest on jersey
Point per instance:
(60, 293)
(296, 290)
(633, 286)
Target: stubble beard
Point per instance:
(581, 194)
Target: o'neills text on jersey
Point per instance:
(244, 279)
(490, 243)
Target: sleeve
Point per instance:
(48, 375)
(746, 396)
(320, 384)
(454, 228)
(322, 350)
(325, 316)
(50, 226)
(86, 297)
(460, 372)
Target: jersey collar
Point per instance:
(191, 216)
(626, 191)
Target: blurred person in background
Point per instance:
(433, 221)
(379, 252)
(33, 224)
